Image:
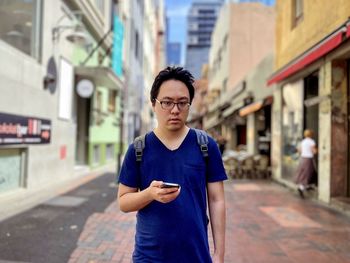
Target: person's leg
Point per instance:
(301, 189)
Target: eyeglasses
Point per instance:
(169, 105)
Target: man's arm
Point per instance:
(130, 199)
(217, 212)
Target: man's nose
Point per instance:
(175, 109)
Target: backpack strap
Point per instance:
(202, 140)
(139, 145)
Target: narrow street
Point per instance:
(265, 223)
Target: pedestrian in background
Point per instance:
(306, 171)
(172, 222)
(221, 141)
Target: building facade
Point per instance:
(59, 93)
(238, 66)
(311, 84)
(153, 57)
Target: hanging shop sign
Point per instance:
(16, 129)
(85, 88)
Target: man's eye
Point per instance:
(167, 103)
(182, 104)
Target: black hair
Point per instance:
(176, 73)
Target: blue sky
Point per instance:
(176, 11)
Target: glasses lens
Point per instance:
(183, 105)
(167, 105)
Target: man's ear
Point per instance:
(152, 106)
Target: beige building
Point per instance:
(199, 104)
(153, 57)
(311, 84)
(242, 38)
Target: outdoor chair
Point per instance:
(262, 167)
(247, 167)
(231, 166)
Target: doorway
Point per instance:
(311, 111)
(83, 123)
(348, 129)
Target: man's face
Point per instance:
(169, 116)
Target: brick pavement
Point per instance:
(265, 223)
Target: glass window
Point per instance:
(292, 97)
(20, 24)
(110, 151)
(96, 154)
(297, 12)
(11, 167)
(111, 100)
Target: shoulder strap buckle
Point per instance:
(139, 145)
(202, 140)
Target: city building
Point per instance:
(153, 57)
(200, 24)
(311, 83)
(199, 103)
(59, 108)
(238, 101)
(132, 13)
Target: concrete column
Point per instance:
(276, 133)
(324, 154)
(252, 136)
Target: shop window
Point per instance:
(12, 169)
(110, 151)
(297, 12)
(292, 129)
(111, 101)
(98, 114)
(96, 154)
(20, 22)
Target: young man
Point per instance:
(172, 222)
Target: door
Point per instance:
(311, 112)
(83, 121)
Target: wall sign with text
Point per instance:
(15, 129)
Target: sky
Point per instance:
(176, 11)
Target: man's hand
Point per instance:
(163, 195)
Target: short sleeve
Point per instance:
(215, 167)
(129, 173)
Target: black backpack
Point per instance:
(202, 140)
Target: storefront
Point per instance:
(314, 91)
(16, 133)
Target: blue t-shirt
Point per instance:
(176, 231)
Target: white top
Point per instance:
(306, 148)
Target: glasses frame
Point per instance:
(173, 105)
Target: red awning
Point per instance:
(348, 31)
(319, 50)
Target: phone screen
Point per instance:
(169, 185)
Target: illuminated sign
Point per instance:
(16, 129)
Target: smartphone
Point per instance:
(169, 185)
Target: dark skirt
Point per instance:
(306, 172)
